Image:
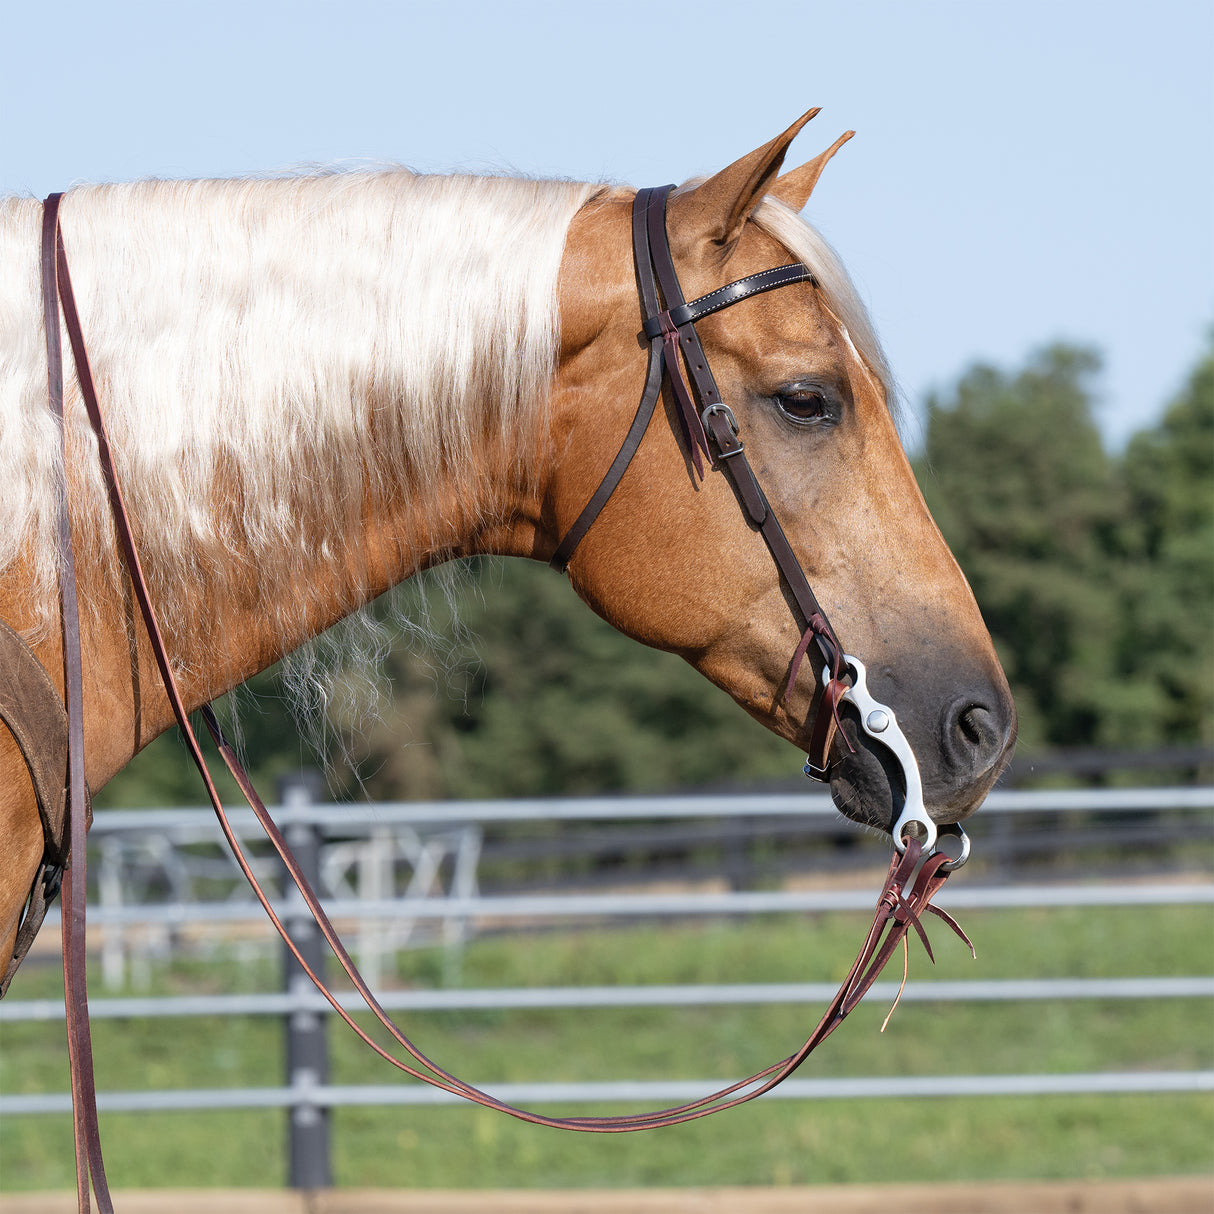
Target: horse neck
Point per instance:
(313, 387)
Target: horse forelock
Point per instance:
(274, 356)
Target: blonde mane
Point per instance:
(273, 358)
(273, 355)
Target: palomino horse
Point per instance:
(316, 387)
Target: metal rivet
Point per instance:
(878, 721)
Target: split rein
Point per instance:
(916, 872)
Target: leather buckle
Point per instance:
(814, 772)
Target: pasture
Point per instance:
(771, 1142)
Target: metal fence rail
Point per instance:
(552, 997)
(632, 905)
(409, 873)
(361, 816)
(461, 909)
(652, 1094)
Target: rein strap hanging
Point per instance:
(85, 1127)
(906, 894)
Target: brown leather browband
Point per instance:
(905, 896)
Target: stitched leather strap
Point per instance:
(724, 297)
(87, 1134)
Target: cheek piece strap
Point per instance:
(710, 432)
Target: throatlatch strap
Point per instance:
(640, 422)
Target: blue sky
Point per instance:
(1022, 172)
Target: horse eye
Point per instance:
(804, 406)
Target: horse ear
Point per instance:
(717, 209)
(795, 187)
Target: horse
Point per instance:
(318, 386)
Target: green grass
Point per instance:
(762, 1143)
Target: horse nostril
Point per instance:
(970, 724)
(974, 735)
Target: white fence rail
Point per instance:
(382, 867)
(645, 1094)
(364, 873)
(344, 817)
(544, 998)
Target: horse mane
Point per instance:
(274, 356)
(274, 353)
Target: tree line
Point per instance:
(1094, 571)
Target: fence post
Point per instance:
(306, 1037)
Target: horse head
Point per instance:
(381, 408)
(673, 560)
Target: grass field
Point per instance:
(779, 1142)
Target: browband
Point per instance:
(722, 297)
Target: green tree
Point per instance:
(1167, 633)
(1095, 574)
(1020, 485)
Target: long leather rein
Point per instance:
(912, 880)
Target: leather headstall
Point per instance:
(708, 424)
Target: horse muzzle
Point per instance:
(877, 777)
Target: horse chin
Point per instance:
(868, 786)
(866, 782)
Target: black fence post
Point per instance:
(308, 1165)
